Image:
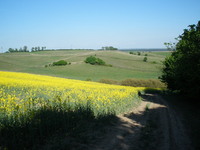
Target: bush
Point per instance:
(88, 79)
(145, 59)
(60, 63)
(130, 52)
(154, 62)
(94, 61)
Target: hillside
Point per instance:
(124, 65)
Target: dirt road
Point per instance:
(154, 125)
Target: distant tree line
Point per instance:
(35, 49)
(109, 48)
(25, 49)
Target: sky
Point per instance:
(92, 24)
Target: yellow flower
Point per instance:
(21, 92)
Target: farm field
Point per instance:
(22, 91)
(124, 65)
(35, 106)
(44, 112)
(47, 112)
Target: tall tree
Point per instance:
(36, 48)
(181, 70)
(11, 50)
(25, 49)
(32, 49)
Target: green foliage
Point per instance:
(35, 49)
(109, 48)
(88, 79)
(170, 46)
(94, 60)
(154, 62)
(181, 70)
(24, 49)
(131, 53)
(139, 53)
(145, 59)
(60, 63)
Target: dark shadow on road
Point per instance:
(156, 126)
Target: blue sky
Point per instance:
(94, 23)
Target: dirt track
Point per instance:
(153, 125)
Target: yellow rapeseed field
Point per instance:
(22, 92)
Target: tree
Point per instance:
(130, 52)
(25, 49)
(11, 50)
(36, 48)
(171, 46)
(43, 48)
(181, 70)
(145, 59)
(20, 49)
(109, 48)
(60, 63)
(32, 49)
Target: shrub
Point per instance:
(91, 60)
(130, 52)
(145, 59)
(138, 53)
(109, 65)
(60, 63)
(94, 60)
(154, 62)
(100, 61)
(88, 79)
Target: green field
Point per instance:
(124, 65)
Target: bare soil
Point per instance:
(153, 125)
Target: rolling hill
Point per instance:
(124, 65)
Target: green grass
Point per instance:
(124, 64)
